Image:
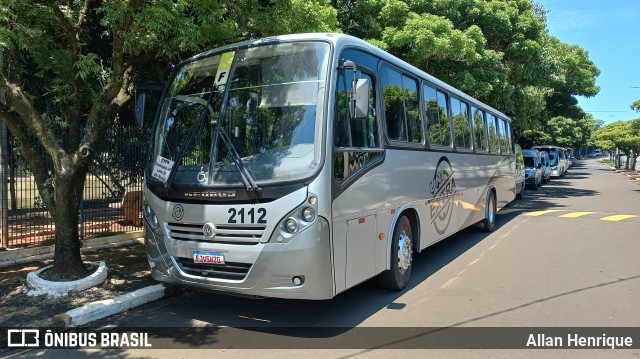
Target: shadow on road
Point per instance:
(563, 187)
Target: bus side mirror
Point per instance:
(140, 93)
(360, 99)
(140, 100)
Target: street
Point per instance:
(566, 255)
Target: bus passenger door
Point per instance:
(357, 151)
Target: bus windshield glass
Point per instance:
(553, 154)
(254, 112)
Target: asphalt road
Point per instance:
(567, 255)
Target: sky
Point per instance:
(610, 31)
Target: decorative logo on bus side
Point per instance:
(178, 212)
(443, 189)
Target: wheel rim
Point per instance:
(405, 253)
(491, 214)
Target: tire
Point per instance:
(397, 277)
(489, 221)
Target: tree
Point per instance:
(495, 50)
(71, 65)
(636, 106)
(623, 135)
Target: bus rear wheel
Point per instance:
(397, 277)
(489, 221)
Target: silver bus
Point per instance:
(299, 166)
(557, 159)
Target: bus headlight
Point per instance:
(308, 214)
(296, 221)
(150, 216)
(291, 225)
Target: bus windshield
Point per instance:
(553, 154)
(254, 112)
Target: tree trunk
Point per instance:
(627, 159)
(67, 262)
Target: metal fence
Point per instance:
(112, 198)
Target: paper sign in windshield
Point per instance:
(223, 69)
(162, 169)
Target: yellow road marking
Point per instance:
(575, 214)
(540, 213)
(619, 217)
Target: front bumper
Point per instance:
(270, 267)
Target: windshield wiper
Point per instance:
(246, 176)
(193, 132)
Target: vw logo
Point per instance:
(178, 212)
(209, 230)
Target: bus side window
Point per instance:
(436, 108)
(461, 126)
(402, 117)
(352, 137)
(479, 130)
(504, 138)
(354, 133)
(494, 141)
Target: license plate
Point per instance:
(208, 257)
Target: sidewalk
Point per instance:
(631, 174)
(128, 284)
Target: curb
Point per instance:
(38, 286)
(104, 308)
(26, 255)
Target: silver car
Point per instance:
(532, 168)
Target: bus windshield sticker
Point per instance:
(223, 69)
(162, 169)
(442, 188)
(202, 175)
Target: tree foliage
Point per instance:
(622, 135)
(498, 51)
(70, 66)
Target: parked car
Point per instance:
(546, 167)
(520, 173)
(532, 168)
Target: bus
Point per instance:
(299, 166)
(557, 159)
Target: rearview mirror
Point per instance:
(360, 99)
(140, 98)
(140, 101)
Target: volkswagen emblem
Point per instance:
(178, 212)
(209, 230)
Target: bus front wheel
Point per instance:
(397, 277)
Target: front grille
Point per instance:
(231, 270)
(225, 233)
